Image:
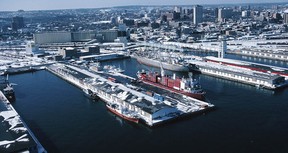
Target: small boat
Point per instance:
(111, 79)
(90, 94)
(122, 112)
(118, 70)
(96, 67)
(113, 69)
(7, 89)
(259, 86)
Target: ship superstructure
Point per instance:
(172, 62)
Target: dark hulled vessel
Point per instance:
(7, 89)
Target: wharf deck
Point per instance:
(15, 134)
(172, 107)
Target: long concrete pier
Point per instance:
(149, 110)
(15, 135)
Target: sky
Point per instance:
(14, 5)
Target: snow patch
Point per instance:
(14, 122)
(8, 114)
(20, 139)
(19, 129)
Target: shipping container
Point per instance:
(149, 93)
(111, 79)
(153, 79)
(164, 81)
(171, 85)
(177, 83)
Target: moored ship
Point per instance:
(167, 66)
(241, 72)
(7, 89)
(186, 86)
(249, 65)
(122, 112)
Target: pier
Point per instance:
(232, 48)
(15, 134)
(151, 109)
(262, 54)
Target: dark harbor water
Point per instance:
(64, 120)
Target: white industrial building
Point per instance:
(52, 37)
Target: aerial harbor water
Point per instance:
(246, 119)
(142, 77)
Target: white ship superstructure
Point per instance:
(239, 74)
(170, 61)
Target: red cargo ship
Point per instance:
(188, 87)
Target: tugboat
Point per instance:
(7, 89)
(187, 86)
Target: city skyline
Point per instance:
(14, 5)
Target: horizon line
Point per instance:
(143, 5)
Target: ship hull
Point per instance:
(166, 66)
(252, 66)
(199, 96)
(131, 119)
(92, 96)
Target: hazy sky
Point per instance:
(13, 5)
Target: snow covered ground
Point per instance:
(14, 135)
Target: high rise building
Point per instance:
(122, 34)
(246, 14)
(216, 12)
(17, 23)
(285, 17)
(197, 14)
(223, 47)
(178, 9)
(224, 13)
